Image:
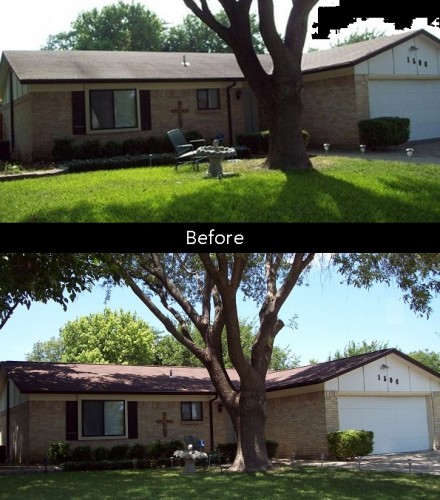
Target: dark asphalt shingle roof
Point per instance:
(89, 66)
(34, 377)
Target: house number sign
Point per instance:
(390, 379)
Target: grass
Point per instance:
(336, 190)
(308, 483)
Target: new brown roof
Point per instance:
(89, 66)
(34, 377)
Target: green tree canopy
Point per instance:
(359, 36)
(115, 337)
(122, 26)
(193, 35)
(51, 350)
(428, 358)
(354, 348)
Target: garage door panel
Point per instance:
(417, 100)
(399, 424)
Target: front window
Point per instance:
(192, 411)
(208, 99)
(113, 109)
(103, 418)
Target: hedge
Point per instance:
(382, 132)
(350, 443)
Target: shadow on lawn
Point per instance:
(311, 196)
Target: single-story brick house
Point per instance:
(115, 96)
(386, 392)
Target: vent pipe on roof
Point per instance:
(185, 63)
(171, 373)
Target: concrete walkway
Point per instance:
(424, 462)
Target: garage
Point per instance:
(400, 424)
(417, 100)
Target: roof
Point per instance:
(110, 66)
(35, 377)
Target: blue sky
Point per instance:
(329, 316)
(46, 17)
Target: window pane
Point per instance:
(214, 99)
(125, 108)
(93, 418)
(186, 411)
(114, 418)
(196, 410)
(202, 99)
(101, 109)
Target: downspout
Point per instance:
(228, 96)
(211, 423)
(11, 92)
(8, 421)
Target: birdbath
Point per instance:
(216, 154)
(189, 456)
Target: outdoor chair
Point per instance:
(186, 150)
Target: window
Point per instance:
(103, 418)
(192, 411)
(113, 109)
(208, 99)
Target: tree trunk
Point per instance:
(283, 112)
(251, 438)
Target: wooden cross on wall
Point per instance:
(180, 110)
(164, 423)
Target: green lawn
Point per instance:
(336, 190)
(311, 483)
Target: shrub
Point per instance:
(164, 450)
(382, 132)
(119, 452)
(81, 454)
(90, 149)
(111, 148)
(350, 443)
(58, 452)
(64, 149)
(134, 147)
(259, 143)
(101, 453)
(227, 451)
(137, 451)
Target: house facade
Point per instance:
(115, 96)
(386, 392)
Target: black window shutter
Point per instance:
(145, 102)
(71, 420)
(132, 419)
(78, 113)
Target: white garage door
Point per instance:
(399, 424)
(417, 100)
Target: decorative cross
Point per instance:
(180, 110)
(164, 423)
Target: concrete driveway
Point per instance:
(424, 462)
(424, 152)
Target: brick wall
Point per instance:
(332, 109)
(299, 424)
(42, 117)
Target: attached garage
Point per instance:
(400, 424)
(418, 100)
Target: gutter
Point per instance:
(12, 112)
(8, 421)
(228, 94)
(211, 423)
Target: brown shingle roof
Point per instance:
(89, 66)
(34, 377)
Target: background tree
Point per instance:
(355, 348)
(50, 350)
(41, 277)
(171, 352)
(428, 358)
(115, 337)
(278, 91)
(121, 26)
(193, 35)
(359, 36)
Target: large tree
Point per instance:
(193, 35)
(116, 337)
(279, 92)
(121, 26)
